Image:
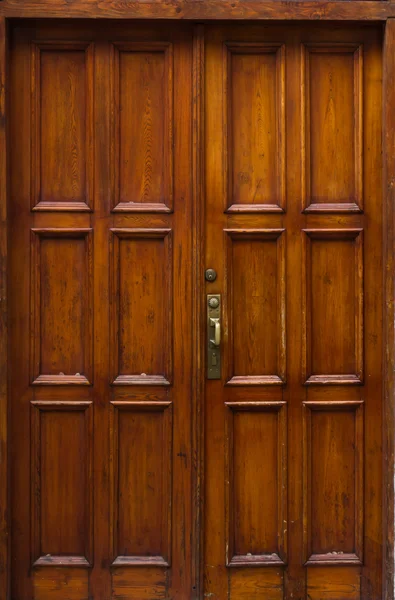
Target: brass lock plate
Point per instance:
(213, 336)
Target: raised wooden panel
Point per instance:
(336, 583)
(257, 584)
(256, 494)
(141, 479)
(332, 127)
(142, 156)
(141, 306)
(61, 490)
(58, 583)
(333, 476)
(255, 306)
(61, 306)
(254, 89)
(141, 584)
(333, 306)
(62, 126)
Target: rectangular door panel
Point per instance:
(143, 126)
(62, 125)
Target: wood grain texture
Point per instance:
(332, 94)
(141, 307)
(254, 429)
(4, 319)
(389, 306)
(333, 306)
(75, 262)
(326, 263)
(255, 270)
(141, 460)
(50, 583)
(363, 10)
(143, 126)
(149, 576)
(254, 127)
(198, 307)
(62, 126)
(336, 583)
(61, 276)
(62, 493)
(333, 479)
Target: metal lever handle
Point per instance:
(217, 331)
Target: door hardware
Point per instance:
(213, 336)
(211, 275)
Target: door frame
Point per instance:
(311, 10)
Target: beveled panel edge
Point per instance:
(37, 378)
(254, 48)
(60, 560)
(36, 559)
(255, 380)
(140, 561)
(338, 48)
(256, 560)
(166, 407)
(140, 380)
(334, 559)
(35, 142)
(247, 380)
(117, 233)
(270, 559)
(150, 207)
(355, 234)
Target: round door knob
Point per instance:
(213, 303)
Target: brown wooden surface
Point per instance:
(389, 307)
(102, 361)
(4, 365)
(74, 403)
(198, 10)
(293, 435)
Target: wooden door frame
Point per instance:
(198, 11)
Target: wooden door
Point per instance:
(293, 460)
(100, 208)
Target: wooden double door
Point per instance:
(156, 454)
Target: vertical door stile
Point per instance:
(198, 317)
(101, 219)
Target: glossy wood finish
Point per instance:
(101, 215)
(146, 583)
(5, 539)
(354, 10)
(293, 430)
(389, 305)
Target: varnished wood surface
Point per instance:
(301, 386)
(101, 412)
(389, 295)
(50, 580)
(298, 10)
(4, 365)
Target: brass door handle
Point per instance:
(213, 337)
(217, 332)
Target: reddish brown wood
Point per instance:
(4, 318)
(148, 572)
(101, 397)
(198, 307)
(301, 313)
(362, 10)
(389, 307)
